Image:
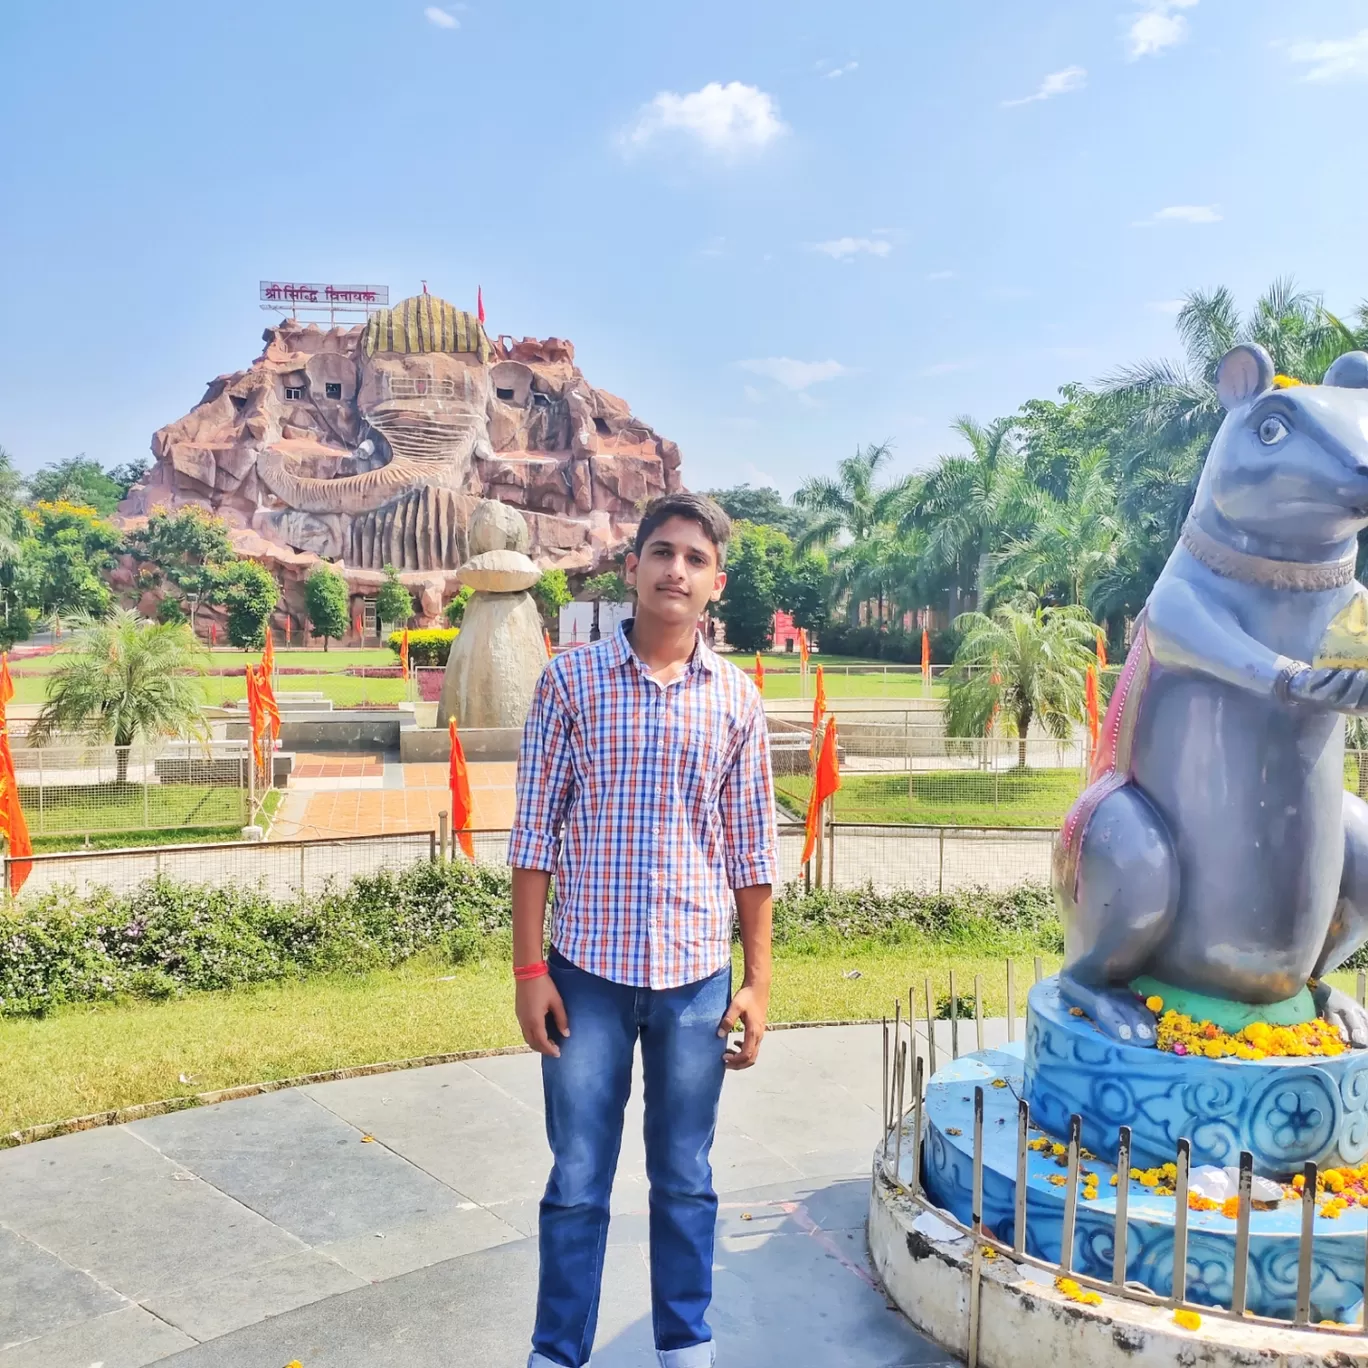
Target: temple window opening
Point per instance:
(294, 391)
(332, 390)
(504, 394)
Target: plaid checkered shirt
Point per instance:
(649, 804)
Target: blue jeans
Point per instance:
(586, 1093)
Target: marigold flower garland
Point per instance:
(1181, 1035)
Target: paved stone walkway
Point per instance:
(271, 1229)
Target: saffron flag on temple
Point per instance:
(403, 653)
(926, 656)
(213, 634)
(803, 651)
(13, 827)
(268, 652)
(479, 302)
(289, 628)
(759, 673)
(356, 626)
(462, 810)
(1101, 649)
(825, 781)
(1090, 696)
(546, 637)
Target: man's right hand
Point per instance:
(538, 999)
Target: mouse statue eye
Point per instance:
(1272, 431)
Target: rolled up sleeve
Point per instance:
(746, 804)
(545, 775)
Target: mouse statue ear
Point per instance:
(1349, 371)
(1243, 374)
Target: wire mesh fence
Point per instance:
(281, 868)
(158, 785)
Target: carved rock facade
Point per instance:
(374, 445)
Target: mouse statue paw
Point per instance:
(1339, 1009)
(1116, 1012)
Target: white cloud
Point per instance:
(730, 120)
(794, 375)
(1182, 213)
(757, 478)
(836, 73)
(1056, 83)
(839, 249)
(1337, 59)
(1156, 27)
(940, 275)
(441, 18)
(1172, 307)
(947, 368)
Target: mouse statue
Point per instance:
(1215, 850)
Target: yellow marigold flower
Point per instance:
(1067, 1287)
(989, 1253)
(1155, 1004)
(999, 1082)
(1058, 1179)
(1299, 1182)
(1230, 1208)
(1334, 1180)
(1058, 1150)
(1114, 1180)
(1076, 1011)
(1189, 1320)
(1285, 382)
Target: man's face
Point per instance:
(677, 574)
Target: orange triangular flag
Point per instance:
(1090, 695)
(926, 654)
(825, 781)
(803, 651)
(819, 703)
(269, 707)
(268, 651)
(256, 716)
(403, 653)
(1101, 649)
(759, 673)
(6, 686)
(546, 637)
(462, 810)
(13, 826)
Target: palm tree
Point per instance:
(966, 501)
(1170, 408)
(850, 510)
(122, 677)
(1027, 662)
(1072, 541)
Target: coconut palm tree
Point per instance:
(121, 678)
(852, 506)
(1072, 542)
(1024, 662)
(966, 501)
(1170, 408)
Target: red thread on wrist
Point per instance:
(523, 972)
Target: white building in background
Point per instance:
(577, 621)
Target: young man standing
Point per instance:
(644, 787)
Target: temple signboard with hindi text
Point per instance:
(324, 295)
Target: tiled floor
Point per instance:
(409, 799)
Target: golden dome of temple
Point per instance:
(425, 323)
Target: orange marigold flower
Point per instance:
(1189, 1320)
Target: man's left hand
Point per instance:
(749, 1007)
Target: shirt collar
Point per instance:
(622, 653)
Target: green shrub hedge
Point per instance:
(168, 938)
(427, 645)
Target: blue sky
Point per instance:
(779, 228)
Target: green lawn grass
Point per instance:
(1030, 797)
(87, 1059)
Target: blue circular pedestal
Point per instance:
(1283, 1111)
(947, 1174)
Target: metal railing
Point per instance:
(165, 784)
(908, 1069)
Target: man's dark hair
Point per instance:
(697, 508)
